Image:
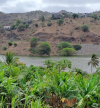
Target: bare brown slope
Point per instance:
(54, 34)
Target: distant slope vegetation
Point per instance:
(49, 30)
(9, 19)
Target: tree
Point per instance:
(94, 61)
(60, 21)
(85, 28)
(67, 52)
(95, 16)
(64, 44)
(44, 48)
(77, 47)
(18, 22)
(21, 27)
(34, 41)
(75, 15)
(42, 18)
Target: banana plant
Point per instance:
(86, 89)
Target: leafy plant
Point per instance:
(9, 43)
(64, 44)
(44, 48)
(15, 44)
(4, 48)
(33, 42)
(85, 28)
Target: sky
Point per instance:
(21, 6)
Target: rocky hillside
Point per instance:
(69, 31)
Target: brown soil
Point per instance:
(54, 34)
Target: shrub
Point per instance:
(77, 47)
(43, 24)
(67, 52)
(36, 25)
(85, 28)
(4, 48)
(34, 41)
(42, 18)
(64, 45)
(9, 43)
(95, 16)
(21, 27)
(60, 21)
(75, 15)
(44, 48)
(13, 27)
(49, 24)
(15, 44)
(33, 51)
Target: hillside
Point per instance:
(9, 19)
(70, 31)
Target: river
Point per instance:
(80, 62)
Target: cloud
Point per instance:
(19, 6)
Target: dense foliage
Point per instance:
(74, 15)
(45, 87)
(60, 21)
(67, 51)
(64, 44)
(44, 48)
(85, 28)
(77, 47)
(34, 41)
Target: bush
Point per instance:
(36, 25)
(75, 15)
(9, 43)
(67, 52)
(64, 45)
(49, 24)
(34, 41)
(44, 48)
(21, 27)
(15, 44)
(4, 48)
(13, 27)
(33, 51)
(42, 18)
(95, 16)
(85, 28)
(60, 21)
(77, 47)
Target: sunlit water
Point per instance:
(80, 62)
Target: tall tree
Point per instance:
(94, 61)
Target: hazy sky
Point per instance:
(19, 6)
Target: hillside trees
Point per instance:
(75, 15)
(42, 18)
(44, 48)
(33, 42)
(85, 28)
(94, 16)
(60, 21)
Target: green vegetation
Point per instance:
(51, 87)
(36, 25)
(44, 48)
(20, 25)
(4, 48)
(94, 16)
(10, 43)
(85, 28)
(77, 47)
(9, 58)
(49, 24)
(67, 51)
(33, 42)
(15, 44)
(64, 44)
(94, 61)
(75, 15)
(60, 22)
(42, 18)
